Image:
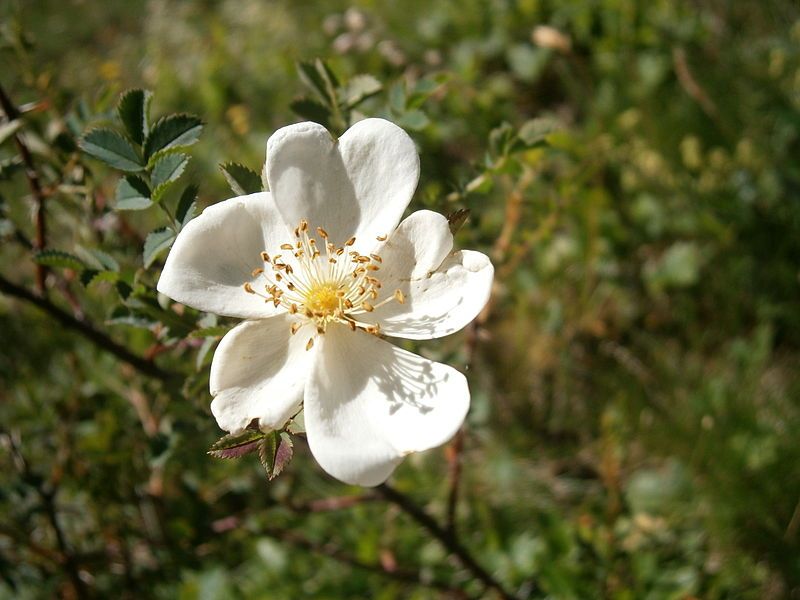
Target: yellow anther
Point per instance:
(382, 238)
(399, 296)
(287, 247)
(293, 308)
(376, 258)
(309, 343)
(249, 288)
(257, 272)
(367, 306)
(351, 241)
(322, 233)
(265, 257)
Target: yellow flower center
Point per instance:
(337, 285)
(323, 299)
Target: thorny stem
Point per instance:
(36, 188)
(445, 537)
(87, 330)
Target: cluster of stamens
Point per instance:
(335, 284)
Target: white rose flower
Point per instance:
(321, 271)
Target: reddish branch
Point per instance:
(12, 113)
(86, 329)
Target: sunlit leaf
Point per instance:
(241, 179)
(156, 242)
(238, 444)
(59, 258)
(133, 109)
(113, 149)
(133, 193)
(171, 132)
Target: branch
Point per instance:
(339, 555)
(447, 539)
(33, 182)
(87, 330)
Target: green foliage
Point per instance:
(241, 179)
(630, 167)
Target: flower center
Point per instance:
(322, 299)
(322, 286)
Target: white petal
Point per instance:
(259, 372)
(216, 253)
(359, 185)
(442, 293)
(369, 403)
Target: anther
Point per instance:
(351, 241)
(249, 288)
(382, 238)
(367, 306)
(287, 247)
(295, 326)
(376, 258)
(322, 233)
(265, 257)
(293, 308)
(399, 296)
(257, 272)
(309, 343)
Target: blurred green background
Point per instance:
(635, 423)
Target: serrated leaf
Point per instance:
(90, 276)
(58, 258)
(97, 259)
(212, 332)
(166, 170)
(283, 455)
(113, 149)
(133, 109)
(457, 218)
(359, 88)
(235, 445)
(133, 193)
(7, 130)
(312, 110)
(187, 205)
(156, 242)
(173, 131)
(241, 179)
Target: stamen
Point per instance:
(309, 344)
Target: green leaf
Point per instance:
(124, 316)
(166, 171)
(112, 149)
(275, 451)
(156, 242)
(7, 130)
(312, 110)
(133, 109)
(320, 79)
(212, 332)
(98, 259)
(89, 276)
(241, 179)
(187, 205)
(133, 193)
(414, 120)
(238, 444)
(171, 132)
(360, 88)
(58, 258)
(535, 131)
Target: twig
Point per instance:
(690, 85)
(341, 556)
(87, 330)
(12, 112)
(447, 539)
(47, 498)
